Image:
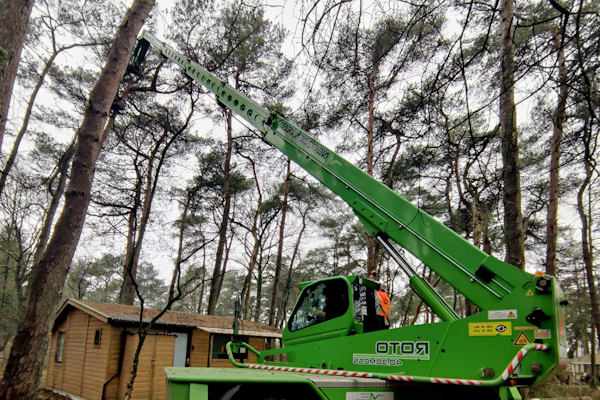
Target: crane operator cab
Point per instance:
(337, 306)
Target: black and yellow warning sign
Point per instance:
(529, 293)
(490, 328)
(522, 339)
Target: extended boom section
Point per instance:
(480, 277)
(516, 338)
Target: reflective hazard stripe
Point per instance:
(515, 361)
(406, 378)
(463, 382)
(311, 371)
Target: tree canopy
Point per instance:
(136, 187)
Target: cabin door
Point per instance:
(180, 352)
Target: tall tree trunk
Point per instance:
(587, 246)
(259, 286)
(513, 216)
(129, 267)
(288, 282)
(177, 267)
(248, 280)
(202, 282)
(63, 169)
(213, 296)
(487, 242)
(278, 260)
(594, 367)
(245, 295)
(559, 117)
(26, 360)
(14, 22)
(127, 292)
(453, 158)
(226, 253)
(477, 219)
(5, 334)
(371, 244)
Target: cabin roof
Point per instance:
(130, 315)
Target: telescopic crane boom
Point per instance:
(519, 312)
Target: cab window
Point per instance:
(320, 302)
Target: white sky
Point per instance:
(160, 248)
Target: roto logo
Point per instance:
(403, 349)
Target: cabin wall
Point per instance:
(83, 368)
(259, 343)
(199, 348)
(114, 336)
(155, 356)
(54, 370)
(95, 359)
(86, 366)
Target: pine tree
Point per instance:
(24, 366)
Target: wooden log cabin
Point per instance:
(93, 344)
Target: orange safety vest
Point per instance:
(384, 305)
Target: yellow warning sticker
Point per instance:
(490, 328)
(522, 339)
(529, 293)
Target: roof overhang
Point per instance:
(81, 306)
(125, 320)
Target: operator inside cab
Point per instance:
(331, 298)
(320, 302)
(383, 302)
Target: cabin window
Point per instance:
(97, 337)
(320, 302)
(60, 344)
(220, 341)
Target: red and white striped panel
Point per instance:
(333, 372)
(402, 378)
(464, 382)
(517, 360)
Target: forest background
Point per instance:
(484, 114)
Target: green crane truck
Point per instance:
(335, 346)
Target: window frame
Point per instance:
(98, 337)
(216, 354)
(60, 347)
(320, 304)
